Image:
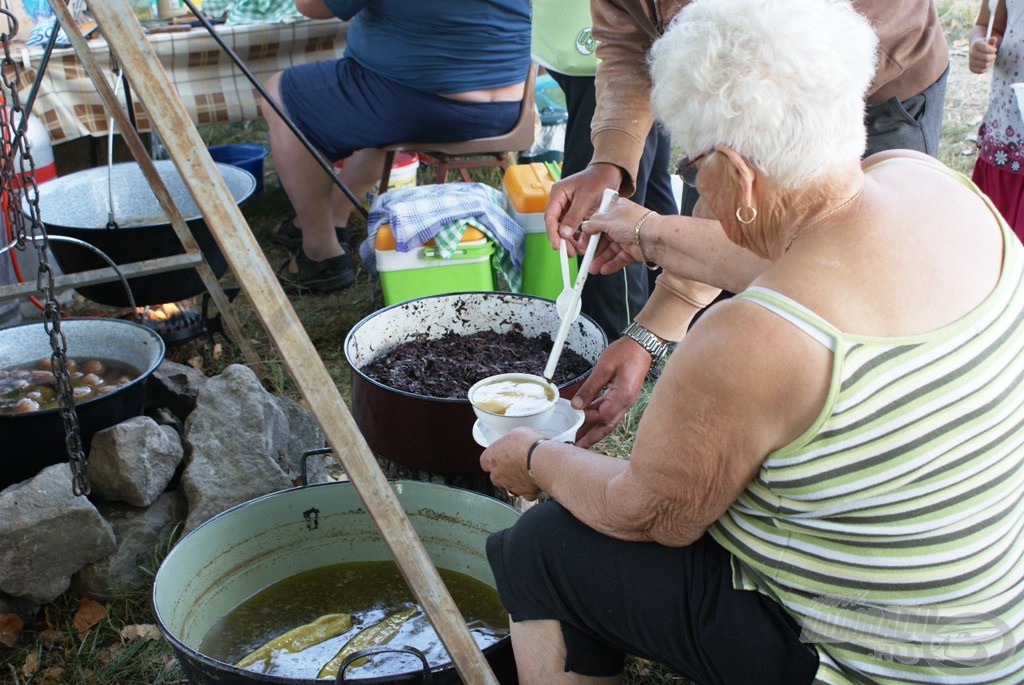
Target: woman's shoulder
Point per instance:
(913, 156)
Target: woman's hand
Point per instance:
(982, 54)
(505, 460)
(611, 388)
(618, 224)
(573, 199)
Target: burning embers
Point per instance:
(179, 322)
(175, 322)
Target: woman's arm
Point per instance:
(725, 400)
(693, 248)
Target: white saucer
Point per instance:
(562, 425)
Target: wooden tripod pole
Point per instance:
(188, 151)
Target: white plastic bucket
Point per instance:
(403, 175)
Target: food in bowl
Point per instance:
(513, 396)
(31, 387)
(352, 604)
(447, 366)
(509, 400)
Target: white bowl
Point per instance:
(1018, 89)
(512, 392)
(562, 426)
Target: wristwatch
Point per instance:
(647, 340)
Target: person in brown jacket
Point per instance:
(903, 110)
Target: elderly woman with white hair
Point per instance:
(827, 484)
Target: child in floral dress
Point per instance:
(999, 169)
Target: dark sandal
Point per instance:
(324, 276)
(290, 236)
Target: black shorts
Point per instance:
(342, 107)
(672, 605)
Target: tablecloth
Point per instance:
(210, 85)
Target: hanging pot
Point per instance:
(78, 206)
(32, 441)
(429, 433)
(269, 539)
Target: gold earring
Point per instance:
(739, 214)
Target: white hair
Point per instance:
(780, 81)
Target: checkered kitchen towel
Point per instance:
(442, 212)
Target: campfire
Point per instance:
(175, 322)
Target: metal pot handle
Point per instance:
(305, 456)
(381, 649)
(104, 257)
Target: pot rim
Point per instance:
(405, 303)
(167, 171)
(141, 378)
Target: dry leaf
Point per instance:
(89, 614)
(196, 362)
(109, 654)
(142, 631)
(218, 350)
(51, 637)
(30, 666)
(53, 674)
(10, 629)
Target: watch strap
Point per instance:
(647, 340)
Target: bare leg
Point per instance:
(304, 181)
(540, 656)
(359, 173)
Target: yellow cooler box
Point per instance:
(423, 271)
(526, 188)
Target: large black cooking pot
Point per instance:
(258, 543)
(30, 442)
(429, 433)
(78, 206)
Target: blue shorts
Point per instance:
(342, 107)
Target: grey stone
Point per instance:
(304, 434)
(176, 387)
(237, 445)
(143, 537)
(134, 461)
(48, 535)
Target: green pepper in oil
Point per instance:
(300, 638)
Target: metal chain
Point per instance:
(18, 189)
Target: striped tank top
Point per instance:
(891, 530)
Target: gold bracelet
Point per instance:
(636, 239)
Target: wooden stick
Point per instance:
(232, 233)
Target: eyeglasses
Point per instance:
(686, 169)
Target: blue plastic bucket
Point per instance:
(248, 156)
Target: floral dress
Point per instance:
(999, 171)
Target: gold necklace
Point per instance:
(821, 217)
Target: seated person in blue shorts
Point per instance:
(412, 70)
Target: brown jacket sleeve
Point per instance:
(912, 47)
(624, 30)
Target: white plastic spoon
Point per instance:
(577, 290)
(562, 302)
(991, 17)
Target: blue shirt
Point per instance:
(450, 46)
